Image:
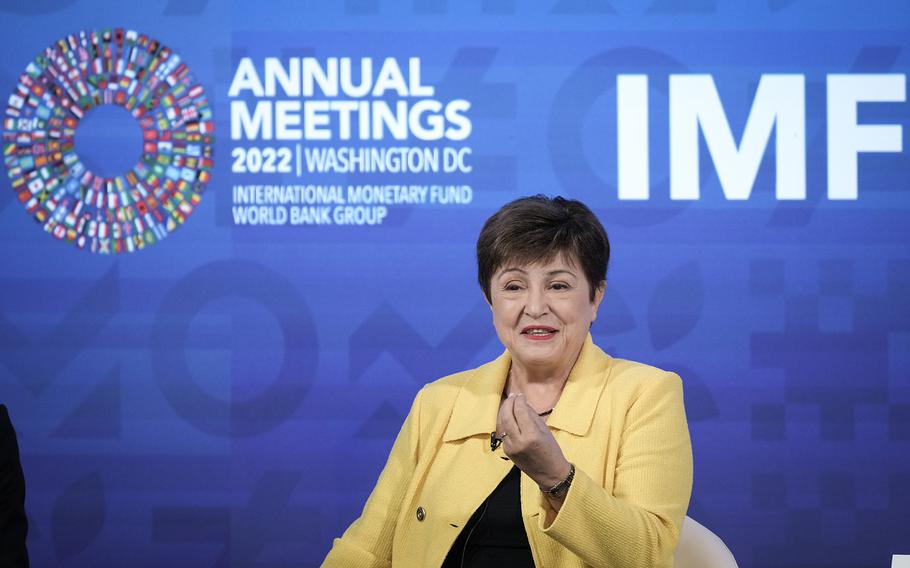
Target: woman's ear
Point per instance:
(598, 297)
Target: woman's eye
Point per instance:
(512, 287)
(559, 286)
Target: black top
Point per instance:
(13, 523)
(495, 535)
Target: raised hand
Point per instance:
(528, 442)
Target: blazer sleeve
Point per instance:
(636, 522)
(367, 543)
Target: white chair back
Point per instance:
(700, 548)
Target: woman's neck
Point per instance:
(541, 389)
(542, 376)
(521, 376)
(542, 386)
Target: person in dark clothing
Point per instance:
(13, 523)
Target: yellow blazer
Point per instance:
(621, 423)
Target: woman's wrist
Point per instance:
(557, 484)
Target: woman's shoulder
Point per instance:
(444, 391)
(449, 385)
(633, 375)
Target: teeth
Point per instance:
(538, 332)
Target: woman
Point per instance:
(554, 454)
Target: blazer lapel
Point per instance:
(574, 412)
(477, 404)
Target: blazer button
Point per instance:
(421, 513)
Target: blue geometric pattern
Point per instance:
(229, 396)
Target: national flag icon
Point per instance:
(36, 185)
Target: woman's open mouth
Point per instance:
(539, 332)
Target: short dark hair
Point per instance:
(537, 229)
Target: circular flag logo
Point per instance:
(108, 212)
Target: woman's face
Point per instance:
(542, 312)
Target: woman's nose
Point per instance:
(536, 305)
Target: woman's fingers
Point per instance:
(525, 417)
(505, 422)
(538, 454)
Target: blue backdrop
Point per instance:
(227, 396)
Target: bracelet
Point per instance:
(562, 487)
